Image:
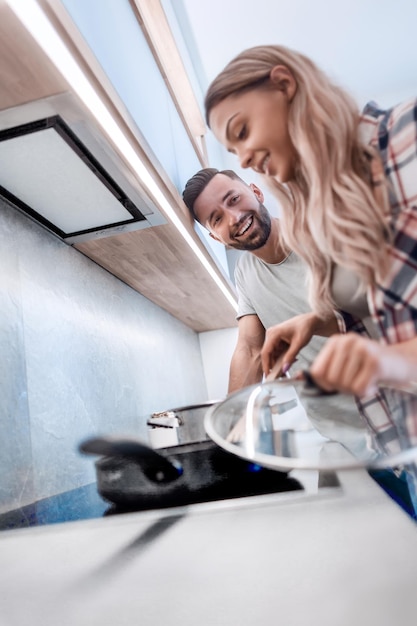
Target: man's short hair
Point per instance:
(198, 183)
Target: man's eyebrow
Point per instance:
(210, 216)
(227, 194)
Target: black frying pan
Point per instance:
(132, 475)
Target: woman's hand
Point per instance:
(284, 341)
(354, 364)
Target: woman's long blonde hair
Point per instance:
(330, 214)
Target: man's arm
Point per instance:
(245, 366)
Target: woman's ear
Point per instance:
(284, 80)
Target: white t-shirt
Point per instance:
(275, 293)
(348, 297)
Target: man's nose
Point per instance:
(233, 216)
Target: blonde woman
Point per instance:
(347, 184)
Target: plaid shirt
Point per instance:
(393, 303)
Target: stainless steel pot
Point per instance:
(177, 426)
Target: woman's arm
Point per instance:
(354, 364)
(284, 341)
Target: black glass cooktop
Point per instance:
(77, 504)
(87, 503)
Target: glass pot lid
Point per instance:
(286, 424)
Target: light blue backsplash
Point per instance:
(81, 353)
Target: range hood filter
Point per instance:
(48, 173)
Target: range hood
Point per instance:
(59, 170)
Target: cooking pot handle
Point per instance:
(154, 465)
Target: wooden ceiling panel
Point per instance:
(156, 262)
(26, 74)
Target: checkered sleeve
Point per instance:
(395, 299)
(394, 302)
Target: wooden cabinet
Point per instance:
(156, 261)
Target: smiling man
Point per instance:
(270, 281)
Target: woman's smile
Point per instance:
(254, 126)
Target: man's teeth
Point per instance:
(245, 228)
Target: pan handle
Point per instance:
(155, 466)
(311, 388)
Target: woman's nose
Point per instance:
(245, 158)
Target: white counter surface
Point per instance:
(344, 557)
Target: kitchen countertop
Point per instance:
(342, 556)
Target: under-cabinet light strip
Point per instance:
(37, 23)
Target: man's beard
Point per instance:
(259, 238)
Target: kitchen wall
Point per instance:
(81, 353)
(217, 347)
